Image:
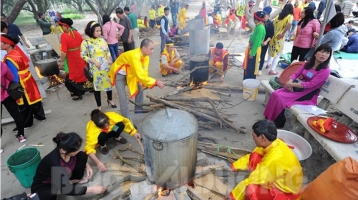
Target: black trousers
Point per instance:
(281, 119)
(262, 56)
(355, 13)
(97, 96)
(128, 46)
(29, 112)
(104, 137)
(47, 191)
(301, 52)
(13, 109)
(250, 70)
(72, 89)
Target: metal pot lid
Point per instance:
(169, 125)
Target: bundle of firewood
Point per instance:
(203, 108)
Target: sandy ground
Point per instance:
(72, 116)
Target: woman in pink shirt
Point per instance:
(307, 31)
(110, 35)
(10, 103)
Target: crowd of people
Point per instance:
(98, 52)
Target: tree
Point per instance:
(36, 7)
(14, 12)
(77, 4)
(250, 14)
(101, 7)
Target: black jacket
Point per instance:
(50, 169)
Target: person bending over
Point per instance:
(63, 170)
(101, 128)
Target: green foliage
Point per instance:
(73, 16)
(25, 20)
(69, 11)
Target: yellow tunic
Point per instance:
(136, 67)
(279, 168)
(182, 17)
(97, 49)
(140, 23)
(169, 57)
(92, 131)
(56, 30)
(161, 11)
(152, 14)
(275, 44)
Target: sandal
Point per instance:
(77, 98)
(104, 150)
(122, 140)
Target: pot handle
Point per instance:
(157, 145)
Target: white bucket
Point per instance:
(250, 89)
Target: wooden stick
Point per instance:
(115, 184)
(206, 126)
(213, 191)
(206, 99)
(221, 93)
(139, 159)
(185, 109)
(185, 99)
(122, 195)
(122, 159)
(140, 144)
(180, 91)
(213, 87)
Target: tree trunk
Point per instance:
(104, 7)
(15, 10)
(250, 15)
(79, 5)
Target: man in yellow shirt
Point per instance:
(276, 172)
(131, 69)
(161, 11)
(183, 17)
(152, 15)
(170, 60)
(102, 127)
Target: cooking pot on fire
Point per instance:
(170, 141)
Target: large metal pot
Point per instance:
(199, 75)
(170, 140)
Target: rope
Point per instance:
(229, 150)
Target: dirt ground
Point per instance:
(72, 116)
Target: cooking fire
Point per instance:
(53, 78)
(163, 191)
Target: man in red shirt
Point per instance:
(219, 58)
